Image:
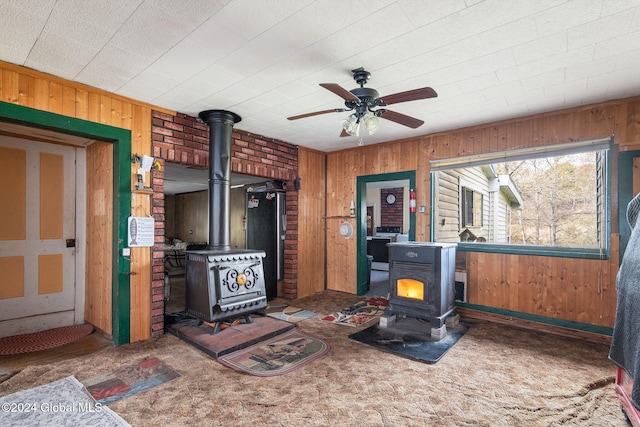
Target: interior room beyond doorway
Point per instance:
(186, 222)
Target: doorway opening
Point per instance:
(253, 225)
(113, 318)
(383, 216)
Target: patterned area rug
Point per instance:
(279, 355)
(129, 380)
(359, 314)
(44, 340)
(284, 311)
(61, 403)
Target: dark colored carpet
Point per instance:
(411, 340)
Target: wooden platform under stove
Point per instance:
(231, 338)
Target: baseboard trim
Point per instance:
(470, 313)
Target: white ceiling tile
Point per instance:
(617, 45)
(488, 60)
(567, 15)
(218, 37)
(30, 17)
(543, 80)
(477, 66)
(150, 31)
(353, 39)
(184, 60)
(545, 65)
(195, 11)
(613, 80)
(111, 65)
(580, 70)
(147, 85)
(421, 13)
(252, 18)
(592, 32)
(216, 77)
(610, 7)
(540, 48)
(92, 23)
(545, 104)
(63, 56)
(629, 60)
(566, 89)
(520, 96)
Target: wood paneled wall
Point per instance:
(311, 211)
(98, 300)
(343, 167)
(41, 91)
(564, 288)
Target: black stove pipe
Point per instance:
(221, 126)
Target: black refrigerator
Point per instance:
(266, 226)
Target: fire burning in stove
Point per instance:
(422, 283)
(409, 288)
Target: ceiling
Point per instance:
(488, 60)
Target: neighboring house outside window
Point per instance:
(551, 202)
(475, 205)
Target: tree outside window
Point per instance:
(548, 200)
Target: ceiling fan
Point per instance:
(362, 101)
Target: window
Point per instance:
(471, 208)
(552, 202)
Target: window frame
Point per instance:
(467, 190)
(602, 253)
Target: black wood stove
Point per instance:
(221, 283)
(422, 283)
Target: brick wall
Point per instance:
(185, 140)
(392, 215)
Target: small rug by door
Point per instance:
(43, 340)
(61, 403)
(417, 346)
(283, 311)
(279, 355)
(130, 380)
(360, 313)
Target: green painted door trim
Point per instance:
(603, 330)
(121, 140)
(361, 221)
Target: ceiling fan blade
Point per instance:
(400, 118)
(340, 91)
(410, 95)
(315, 113)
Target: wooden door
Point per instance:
(37, 235)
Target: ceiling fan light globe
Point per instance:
(350, 125)
(372, 124)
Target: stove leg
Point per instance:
(248, 319)
(216, 328)
(439, 333)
